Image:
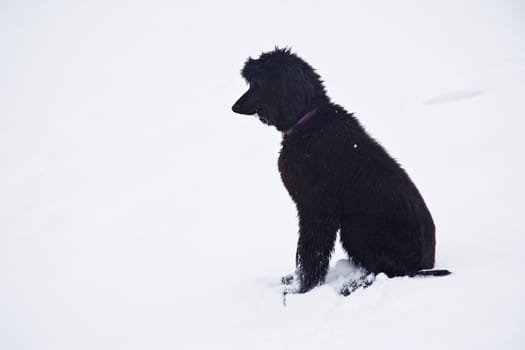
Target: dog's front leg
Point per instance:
(317, 233)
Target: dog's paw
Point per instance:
(353, 285)
(288, 279)
(291, 285)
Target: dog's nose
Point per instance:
(236, 107)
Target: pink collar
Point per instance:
(301, 121)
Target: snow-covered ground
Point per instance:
(138, 212)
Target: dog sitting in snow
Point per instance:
(339, 177)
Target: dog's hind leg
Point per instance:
(362, 282)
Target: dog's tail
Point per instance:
(429, 273)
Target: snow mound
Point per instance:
(453, 96)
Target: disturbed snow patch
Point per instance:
(344, 275)
(345, 270)
(453, 96)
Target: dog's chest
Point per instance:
(297, 167)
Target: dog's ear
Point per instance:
(299, 88)
(293, 92)
(307, 84)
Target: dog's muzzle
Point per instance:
(237, 107)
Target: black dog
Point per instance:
(339, 177)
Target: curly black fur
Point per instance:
(337, 175)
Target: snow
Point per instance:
(452, 96)
(138, 212)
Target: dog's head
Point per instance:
(283, 87)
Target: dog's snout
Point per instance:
(243, 106)
(236, 107)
